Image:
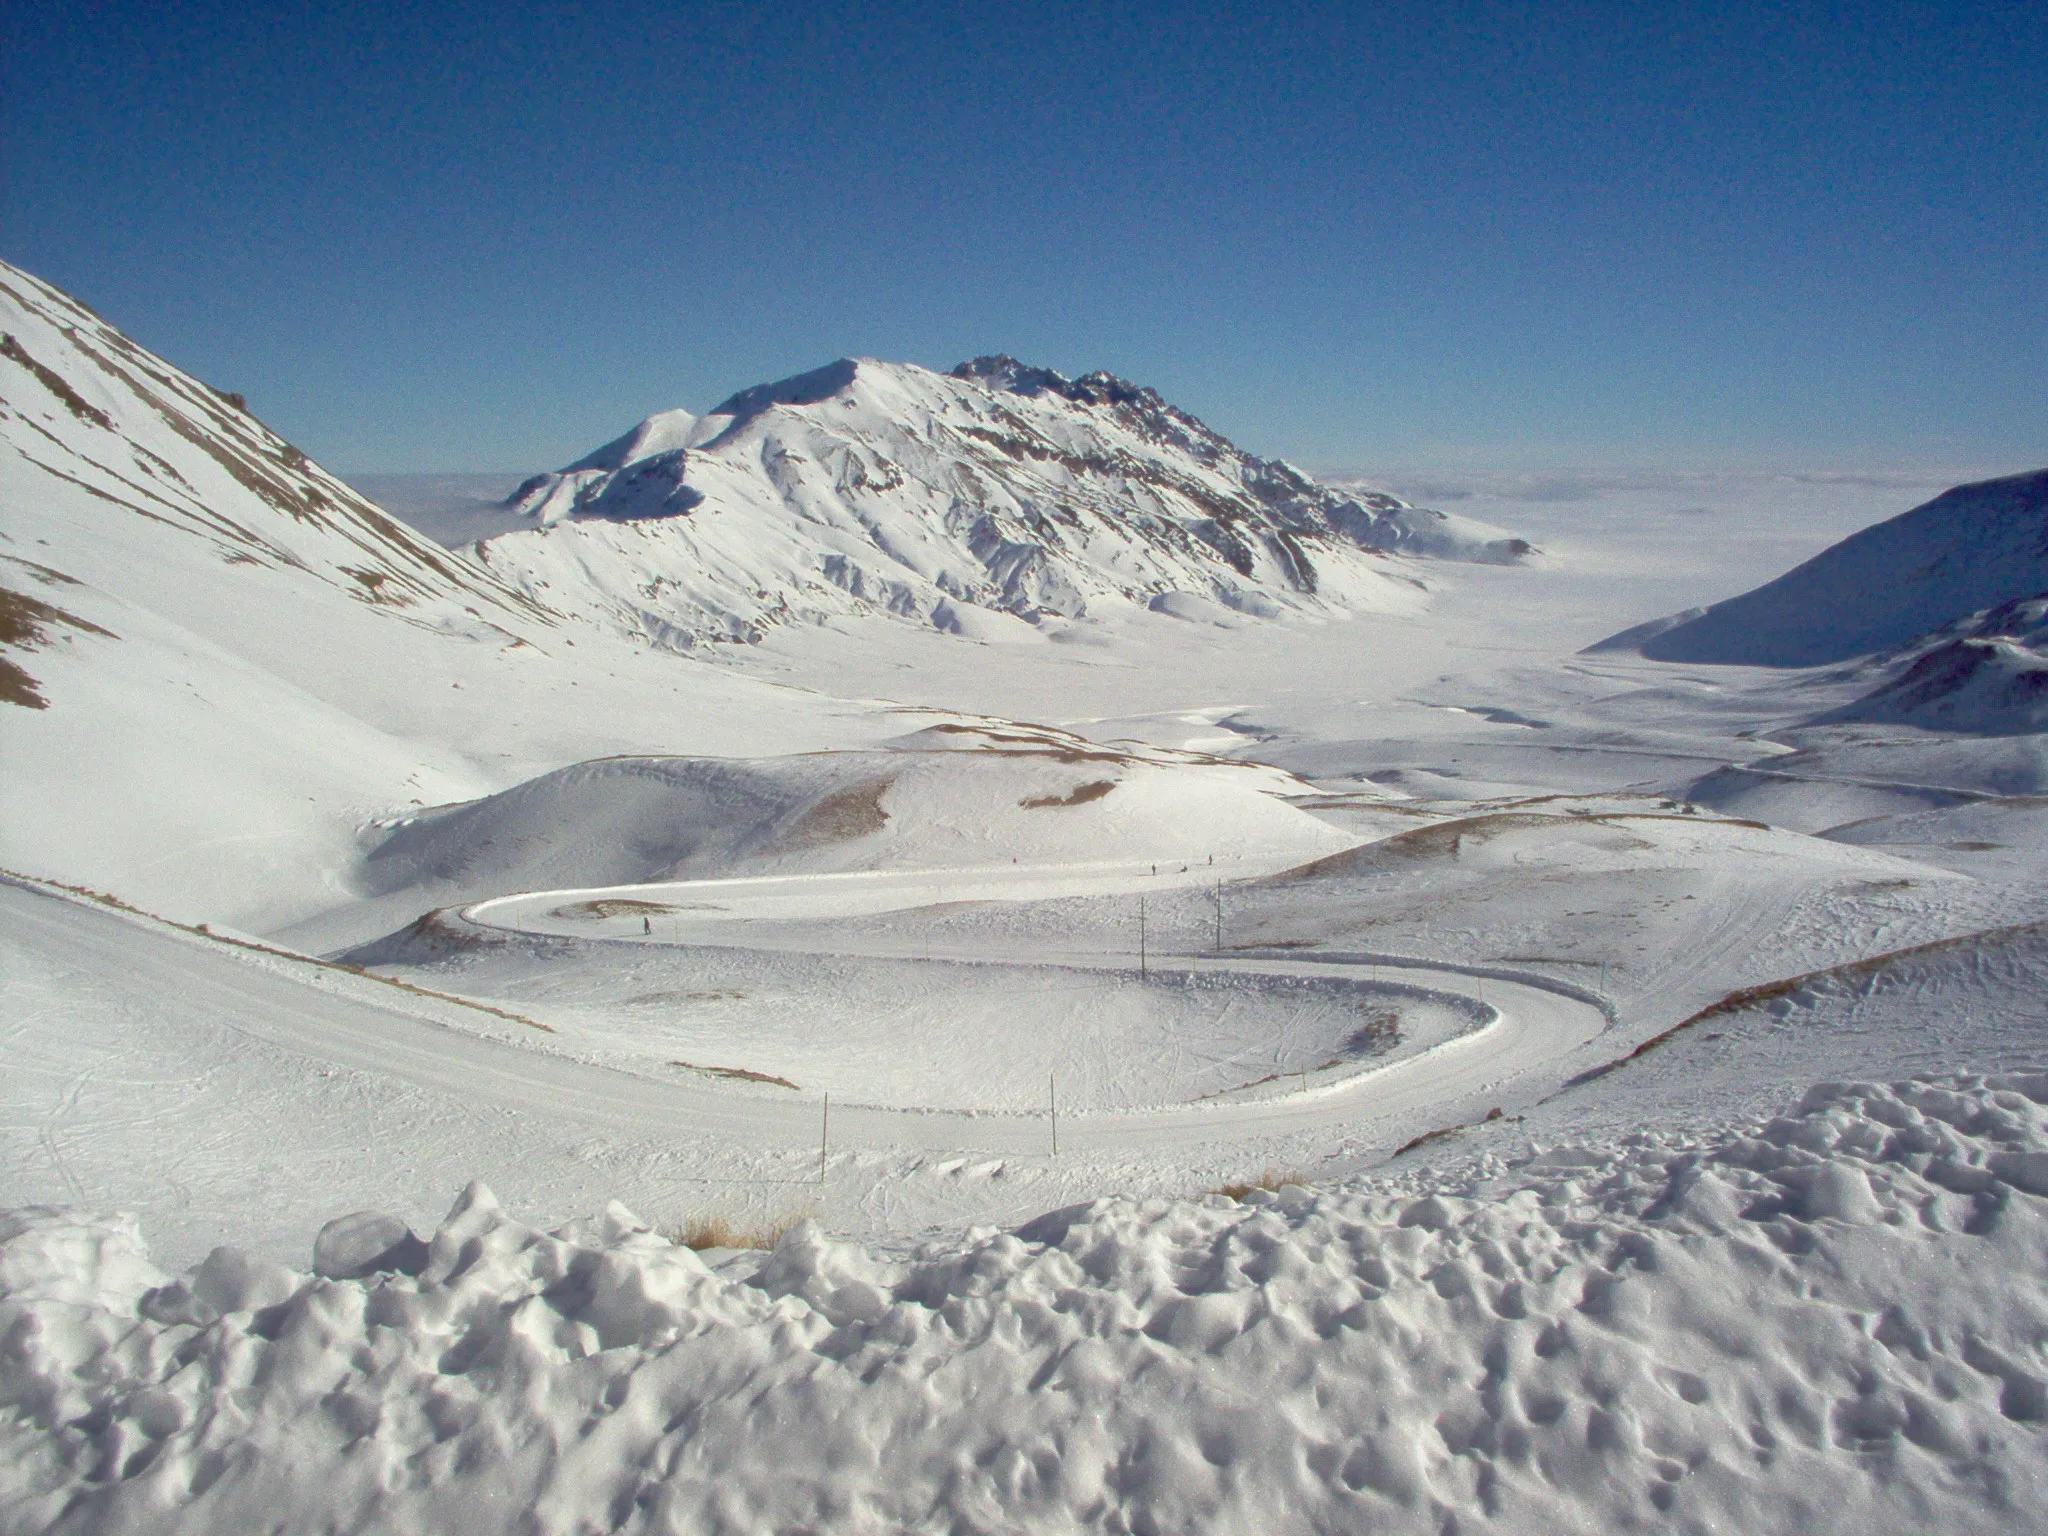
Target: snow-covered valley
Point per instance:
(981, 828)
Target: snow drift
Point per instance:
(1827, 1322)
(1970, 548)
(865, 486)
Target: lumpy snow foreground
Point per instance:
(1831, 1322)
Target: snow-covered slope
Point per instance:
(1970, 548)
(217, 661)
(966, 500)
(1049, 797)
(82, 406)
(1986, 674)
(951, 797)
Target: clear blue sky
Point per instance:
(456, 236)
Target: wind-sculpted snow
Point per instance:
(1829, 1322)
(1969, 548)
(882, 487)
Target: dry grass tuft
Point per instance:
(1080, 796)
(702, 1233)
(1272, 1180)
(17, 687)
(839, 817)
(741, 1074)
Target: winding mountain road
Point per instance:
(343, 1020)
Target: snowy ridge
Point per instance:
(217, 661)
(84, 408)
(1986, 674)
(1970, 548)
(949, 795)
(1825, 1322)
(964, 500)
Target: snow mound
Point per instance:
(949, 796)
(1825, 1322)
(1840, 776)
(1970, 548)
(866, 486)
(1501, 842)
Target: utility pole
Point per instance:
(1052, 1100)
(1219, 917)
(824, 1133)
(1141, 938)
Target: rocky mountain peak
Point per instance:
(996, 486)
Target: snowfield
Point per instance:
(1829, 1321)
(1151, 993)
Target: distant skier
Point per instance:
(647, 925)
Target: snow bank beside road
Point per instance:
(1830, 1323)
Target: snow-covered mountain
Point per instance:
(969, 500)
(83, 407)
(1986, 675)
(217, 661)
(1970, 548)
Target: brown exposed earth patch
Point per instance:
(841, 816)
(24, 624)
(742, 1074)
(1080, 795)
(612, 906)
(13, 351)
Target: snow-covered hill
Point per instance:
(970, 501)
(951, 797)
(217, 661)
(1986, 675)
(1970, 548)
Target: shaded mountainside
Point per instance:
(969, 500)
(1986, 674)
(1968, 549)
